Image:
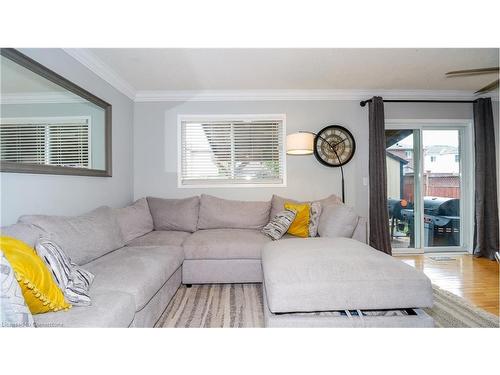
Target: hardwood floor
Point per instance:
(475, 279)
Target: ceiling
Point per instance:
(296, 69)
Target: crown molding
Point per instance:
(40, 98)
(96, 65)
(265, 95)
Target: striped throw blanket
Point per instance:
(73, 280)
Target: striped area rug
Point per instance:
(215, 306)
(240, 305)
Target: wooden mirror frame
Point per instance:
(37, 68)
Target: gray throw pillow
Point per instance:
(73, 280)
(279, 224)
(13, 309)
(135, 220)
(175, 214)
(218, 213)
(337, 221)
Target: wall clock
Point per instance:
(331, 139)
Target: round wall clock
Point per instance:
(340, 139)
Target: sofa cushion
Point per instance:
(360, 233)
(27, 233)
(83, 238)
(139, 271)
(175, 214)
(323, 274)
(134, 220)
(337, 221)
(278, 203)
(225, 244)
(217, 213)
(110, 308)
(160, 238)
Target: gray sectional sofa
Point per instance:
(141, 254)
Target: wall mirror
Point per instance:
(48, 124)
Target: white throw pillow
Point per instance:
(314, 215)
(73, 280)
(13, 309)
(337, 221)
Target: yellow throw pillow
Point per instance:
(300, 226)
(40, 291)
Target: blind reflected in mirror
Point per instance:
(48, 124)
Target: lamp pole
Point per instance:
(334, 149)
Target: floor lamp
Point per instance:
(302, 143)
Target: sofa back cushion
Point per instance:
(83, 238)
(337, 221)
(175, 214)
(27, 233)
(134, 220)
(278, 203)
(217, 213)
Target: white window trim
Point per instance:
(467, 168)
(55, 120)
(227, 117)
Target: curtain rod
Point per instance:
(363, 103)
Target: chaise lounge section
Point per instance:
(340, 282)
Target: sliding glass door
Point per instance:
(429, 174)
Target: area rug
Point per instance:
(452, 311)
(240, 305)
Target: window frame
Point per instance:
(228, 117)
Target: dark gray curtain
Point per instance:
(379, 218)
(486, 231)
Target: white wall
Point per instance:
(443, 163)
(73, 195)
(155, 145)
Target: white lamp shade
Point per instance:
(299, 144)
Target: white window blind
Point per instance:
(59, 141)
(240, 152)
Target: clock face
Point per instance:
(342, 141)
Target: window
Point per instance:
(60, 141)
(231, 150)
(457, 158)
(433, 159)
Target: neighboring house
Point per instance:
(405, 153)
(395, 173)
(442, 159)
(441, 176)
